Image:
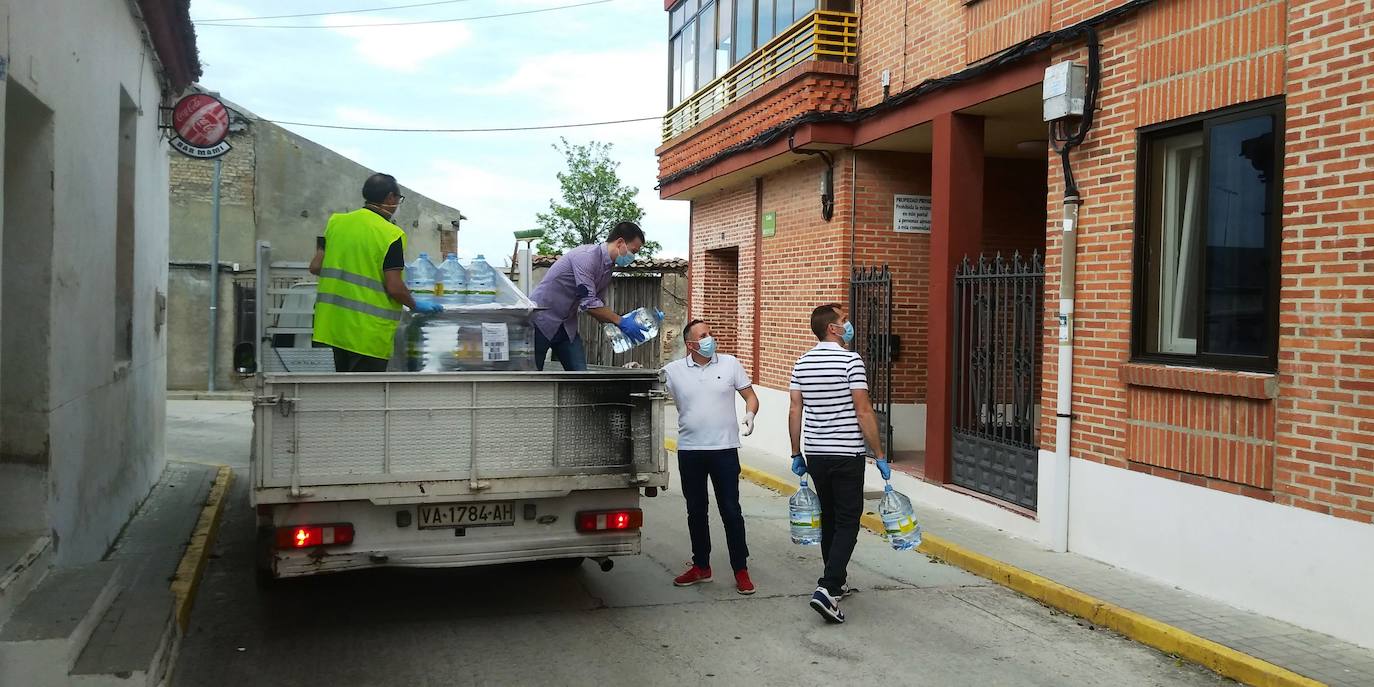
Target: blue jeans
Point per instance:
(723, 468)
(569, 352)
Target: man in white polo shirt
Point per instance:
(831, 408)
(703, 385)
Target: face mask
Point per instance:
(625, 260)
(848, 334)
(707, 347)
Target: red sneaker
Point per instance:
(743, 584)
(694, 575)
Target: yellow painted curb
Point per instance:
(192, 565)
(1221, 659)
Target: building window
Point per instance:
(707, 37)
(1207, 253)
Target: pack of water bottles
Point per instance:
(484, 324)
(900, 527)
(477, 286)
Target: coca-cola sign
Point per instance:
(201, 123)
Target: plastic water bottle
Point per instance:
(481, 282)
(804, 512)
(649, 320)
(899, 520)
(452, 281)
(420, 275)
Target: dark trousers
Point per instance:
(568, 351)
(722, 467)
(348, 361)
(839, 484)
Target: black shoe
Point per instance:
(826, 605)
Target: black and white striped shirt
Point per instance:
(826, 376)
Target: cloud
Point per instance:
(609, 84)
(402, 48)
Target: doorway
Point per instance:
(26, 312)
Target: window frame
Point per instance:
(1204, 123)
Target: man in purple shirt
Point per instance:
(578, 282)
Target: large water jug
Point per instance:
(451, 282)
(481, 282)
(804, 512)
(649, 320)
(899, 520)
(420, 275)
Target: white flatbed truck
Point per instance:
(353, 471)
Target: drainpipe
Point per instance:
(1063, 422)
(1063, 138)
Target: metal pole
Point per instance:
(214, 278)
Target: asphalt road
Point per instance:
(915, 622)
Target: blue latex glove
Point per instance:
(798, 465)
(884, 469)
(631, 328)
(427, 306)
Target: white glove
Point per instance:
(748, 424)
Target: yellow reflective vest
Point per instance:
(352, 310)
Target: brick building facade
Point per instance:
(1222, 360)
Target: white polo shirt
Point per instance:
(705, 396)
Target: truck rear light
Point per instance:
(610, 520)
(310, 536)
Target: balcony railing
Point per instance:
(823, 35)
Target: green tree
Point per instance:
(593, 200)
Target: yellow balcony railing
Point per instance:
(832, 36)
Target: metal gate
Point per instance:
(999, 309)
(628, 290)
(870, 298)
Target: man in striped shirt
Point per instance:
(831, 409)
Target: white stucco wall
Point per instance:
(105, 417)
(1305, 568)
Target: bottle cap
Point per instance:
(887, 487)
(424, 254)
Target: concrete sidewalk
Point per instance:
(1309, 654)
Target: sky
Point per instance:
(582, 64)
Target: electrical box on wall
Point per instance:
(1064, 90)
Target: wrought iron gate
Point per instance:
(870, 297)
(999, 307)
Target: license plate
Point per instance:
(466, 515)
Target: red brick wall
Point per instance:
(1326, 317)
(880, 175)
(913, 40)
(1311, 447)
(719, 297)
(721, 281)
(808, 87)
(804, 265)
(1308, 439)
(995, 25)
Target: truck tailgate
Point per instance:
(430, 435)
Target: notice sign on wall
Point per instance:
(911, 214)
(770, 224)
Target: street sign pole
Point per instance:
(214, 276)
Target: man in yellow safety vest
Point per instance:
(361, 261)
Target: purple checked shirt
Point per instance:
(576, 282)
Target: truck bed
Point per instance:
(409, 438)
